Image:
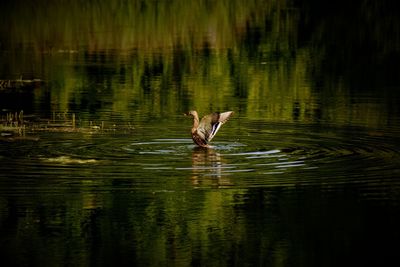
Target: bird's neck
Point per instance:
(195, 122)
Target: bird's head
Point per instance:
(192, 113)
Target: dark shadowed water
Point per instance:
(97, 166)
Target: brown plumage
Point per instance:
(205, 129)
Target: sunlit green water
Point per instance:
(103, 172)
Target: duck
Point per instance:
(204, 130)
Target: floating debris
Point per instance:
(69, 160)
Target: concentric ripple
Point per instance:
(281, 157)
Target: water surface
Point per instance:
(97, 166)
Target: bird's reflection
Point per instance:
(207, 168)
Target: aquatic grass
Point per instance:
(15, 119)
(14, 125)
(19, 83)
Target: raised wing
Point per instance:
(210, 124)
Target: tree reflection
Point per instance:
(261, 57)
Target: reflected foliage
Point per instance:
(256, 227)
(274, 60)
(306, 63)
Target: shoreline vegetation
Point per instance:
(19, 83)
(17, 126)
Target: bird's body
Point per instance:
(205, 129)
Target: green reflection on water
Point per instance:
(146, 62)
(254, 57)
(124, 25)
(279, 226)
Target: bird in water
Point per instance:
(205, 129)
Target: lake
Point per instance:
(97, 164)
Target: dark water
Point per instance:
(100, 168)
